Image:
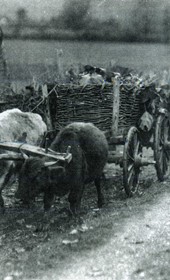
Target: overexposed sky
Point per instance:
(48, 8)
(36, 8)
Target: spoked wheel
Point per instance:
(131, 170)
(161, 150)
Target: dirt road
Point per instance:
(128, 239)
(139, 249)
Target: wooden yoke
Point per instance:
(115, 112)
(31, 150)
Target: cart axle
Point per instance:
(143, 161)
(138, 161)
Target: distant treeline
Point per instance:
(147, 22)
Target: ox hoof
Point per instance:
(100, 203)
(42, 227)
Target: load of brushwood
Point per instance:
(87, 95)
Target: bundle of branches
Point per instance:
(32, 100)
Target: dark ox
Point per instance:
(89, 150)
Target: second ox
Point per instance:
(17, 126)
(89, 149)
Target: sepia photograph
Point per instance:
(85, 140)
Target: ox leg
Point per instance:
(2, 204)
(5, 180)
(44, 225)
(99, 192)
(75, 197)
(49, 198)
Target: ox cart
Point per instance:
(129, 117)
(121, 113)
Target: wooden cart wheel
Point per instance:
(161, 153)
(132, 149)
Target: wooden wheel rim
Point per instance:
(161, 154)
(132, 148)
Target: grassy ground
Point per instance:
(39, 60)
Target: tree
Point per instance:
(143, 19)
(22, 16)
(21, 20)
(166, 24)
(75, 14)
(1, 36)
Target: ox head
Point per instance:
(36, 176)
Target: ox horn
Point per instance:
(24, 155)
(50, 163)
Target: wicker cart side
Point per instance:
(110, 108)
(70, 103)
